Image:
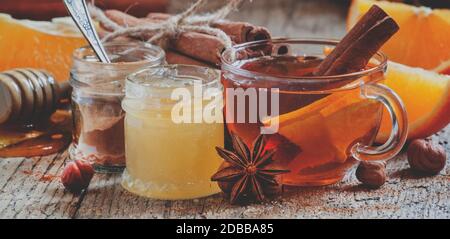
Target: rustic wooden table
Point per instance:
(29, 188)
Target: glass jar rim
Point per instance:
(79, 53)
(161, 87)
(150, 82)
(211, 75)
(227, 64)
(84, 71)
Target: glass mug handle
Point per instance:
(399, 132)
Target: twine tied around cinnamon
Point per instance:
(189, 20)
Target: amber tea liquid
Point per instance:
(316, 130)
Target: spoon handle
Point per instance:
(79, 12)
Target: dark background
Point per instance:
(47, 9)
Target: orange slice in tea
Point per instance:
(423, 39)
(306, 133)
(326, 129)
(39, 44)
(426, 96)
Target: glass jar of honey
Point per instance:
(98, 90)
(173, 123)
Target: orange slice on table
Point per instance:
(424, 36)
(426, 95)
(39, 44)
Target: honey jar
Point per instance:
(173, 123)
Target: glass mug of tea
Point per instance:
(319, 125)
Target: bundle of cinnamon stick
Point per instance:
(193, 48)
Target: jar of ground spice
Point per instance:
(98, 89)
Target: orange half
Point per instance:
(426, 95)
(424, 36)
(444, 68)
(39, 44)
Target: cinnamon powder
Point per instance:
(101, 133)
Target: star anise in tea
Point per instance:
(246, 175)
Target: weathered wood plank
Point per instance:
(8, 168)
(23, 194)
(34, 190)
(404, 196)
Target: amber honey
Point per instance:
(165, 159)
(318, 122)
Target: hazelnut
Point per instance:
(77, 175)
(425, 157)
(371, 174)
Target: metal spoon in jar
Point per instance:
(79, 12)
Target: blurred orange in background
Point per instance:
(424, 36)
(48, 9)
(49, 44)
(39, 44)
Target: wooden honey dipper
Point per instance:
(27, 95)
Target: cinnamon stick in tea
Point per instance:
(356, 49)
(359, 45)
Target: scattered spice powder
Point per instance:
(100, 132)
(41, 176)
(48, 177)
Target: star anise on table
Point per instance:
(246, 175)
